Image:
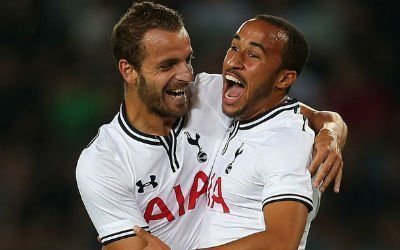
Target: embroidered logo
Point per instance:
(142, 185)
(201, 155)
(237, 153)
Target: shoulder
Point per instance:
(204, 78)
(205, 82)
(206, 102)
(101, 156)
(286, 128)
(290, 137)
(207, 87)
(284, 136)
(285, 149)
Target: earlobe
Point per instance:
(287, 78)
(127, 71)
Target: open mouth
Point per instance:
(234, 87)
(176, 92)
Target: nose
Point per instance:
(234, 61)
(185, 72)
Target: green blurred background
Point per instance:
(59, 83)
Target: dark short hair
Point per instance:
(127, 35)
(296, 50)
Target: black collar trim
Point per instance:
(291, 104)
(143, 137)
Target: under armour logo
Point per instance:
(237, 153)
(152, 182)
(201, 156)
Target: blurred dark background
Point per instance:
(59, 83)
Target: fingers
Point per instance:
(327, 163)
(338, 179)
(154, 243)
(316, 162)
(331, 175)
(324, 170)
(329, 171)
(142, 233)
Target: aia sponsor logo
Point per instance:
(214, 194)
(158, 209)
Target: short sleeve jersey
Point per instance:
(126, 177)
(261, 161)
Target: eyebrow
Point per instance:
(172, 60)
(237, 37)
(168, 62)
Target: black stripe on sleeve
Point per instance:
(124, 234)
(308, 205)
(297, 195)
(118, 238)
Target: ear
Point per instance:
(127, 71)
(286, 79)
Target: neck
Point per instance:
(266, 105)
(141, 118)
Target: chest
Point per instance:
(169, 179)
(235, 178)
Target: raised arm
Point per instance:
(331, 137)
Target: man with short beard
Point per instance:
(260, 194)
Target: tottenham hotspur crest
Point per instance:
(237, 153)
(201, 155)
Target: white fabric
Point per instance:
(124, 173)
(260, 161)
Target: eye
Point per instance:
(166, 66)
(234, 48)
(252, 54)
(189, 59)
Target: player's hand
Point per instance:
(327, 152)
(153, 243)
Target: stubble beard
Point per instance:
(153, 100)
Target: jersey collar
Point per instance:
(290, 104)
(143, 137)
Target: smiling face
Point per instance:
(166, 72)
(251, 69)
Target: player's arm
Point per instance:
(331, 137)
(153, 242)
(144, 240)
(131, 243)
(286, 221)
(106, 193)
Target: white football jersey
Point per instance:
(126, 177)
(261, 161)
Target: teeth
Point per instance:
(233, 79)
(177, 92)
(229, 97)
